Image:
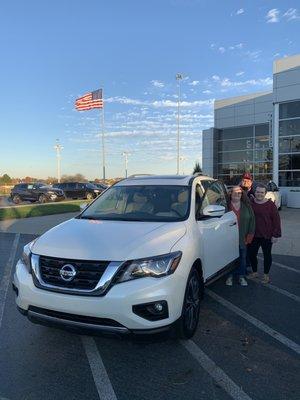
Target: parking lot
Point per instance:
(247, 347)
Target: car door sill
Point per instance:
(229, 267)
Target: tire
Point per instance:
(89, 196)
(42, 199)
(16, 199)
(187, 324)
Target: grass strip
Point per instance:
(39, 210)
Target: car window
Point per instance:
(30, 186)
(141, 203)
(214, 195)
(71, 185)
(80, 185)
(272, 187)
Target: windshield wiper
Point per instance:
(88, 217)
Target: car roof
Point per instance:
(177, 180)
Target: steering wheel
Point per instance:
(176, 212)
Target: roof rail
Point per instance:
(198, 174)
(135, 175)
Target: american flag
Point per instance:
(89, 100)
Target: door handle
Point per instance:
(232, 224)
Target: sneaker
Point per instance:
(254, 275)
(229, 281)
(243, 281)
(265, 279)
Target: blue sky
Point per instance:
(53, 52)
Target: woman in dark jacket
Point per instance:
(240, 205)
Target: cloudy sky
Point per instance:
(53, 52)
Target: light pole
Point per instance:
(126, 154)
(58, 147)
(183, 159)
(179, 78)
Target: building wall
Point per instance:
(250, 111)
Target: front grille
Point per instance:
(88, 273)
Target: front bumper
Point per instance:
(48, 308)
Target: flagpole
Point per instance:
(103, 145)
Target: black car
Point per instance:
(79, 190)
(35, 192)
(100, 186)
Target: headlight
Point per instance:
(50, 192)
(96, 191)
(156, 267)
(26, 255)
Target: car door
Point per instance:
(27, 194)
(218, 235)
(81, 191)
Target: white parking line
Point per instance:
(6, 275)
(215, 372)
(284, 292)
(282, 266)
(101, 379)
(254, 321)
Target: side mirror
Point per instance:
(213, 211)
(83, 206)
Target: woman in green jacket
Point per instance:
(240, 205)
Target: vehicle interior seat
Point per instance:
(139, 204)
(180, 207)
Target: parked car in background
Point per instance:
(35, 192)
(274, 194)
(79, 190)
(100, 186)
(134, 261)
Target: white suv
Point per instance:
(135, 260)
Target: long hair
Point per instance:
(244, 198)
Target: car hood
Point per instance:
(109, 240)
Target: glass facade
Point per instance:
(289, 144)
(244, 149)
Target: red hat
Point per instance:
(247, 175)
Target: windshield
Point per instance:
(141, 203)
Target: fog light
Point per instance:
(152, 311)
(158, 307)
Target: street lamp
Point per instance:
(183, 159)
(179, 78)
(58, 147)
(126, 154)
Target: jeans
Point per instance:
(241, 269)
(266, 246)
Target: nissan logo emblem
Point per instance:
(67, 272)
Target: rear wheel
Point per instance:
(42, 199)
(187, 324)
(16, 199)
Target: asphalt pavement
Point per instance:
(247, 347)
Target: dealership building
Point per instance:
(258, 132)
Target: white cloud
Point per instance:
(157, 83)
(273, 15)
(251, 82)
(240, 11)
(253, 55)
(194, 83)
(207, 91)
(236, 46)
(216, 77)
(240, 73)
(158, 103)
(291, 14)
(222, 50)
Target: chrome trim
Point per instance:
(103, 284)
(65, 322)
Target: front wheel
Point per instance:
(89, 196)
(187, 324)
(16, 199)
